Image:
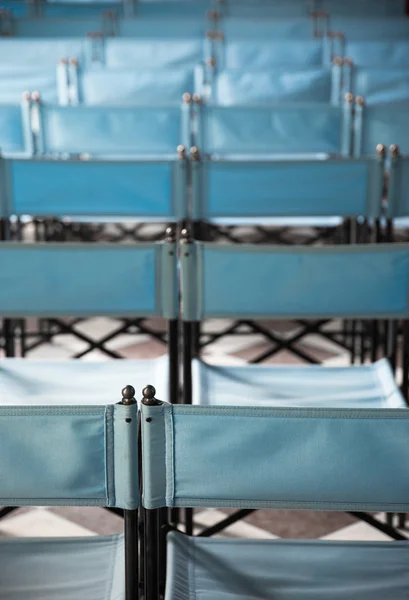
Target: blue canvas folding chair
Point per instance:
(284, 194)
(56, 281)
(258, 138)
(290, 457)
(308, 286)
(71, 453)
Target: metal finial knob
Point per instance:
(338, 61)
(187, 98)
(35, 96)
(26, 96)
(64, 60)
(360, 101)
(381, 150)
(348, 62)
(181, 151)
(128, 395)
(74, 61)
(149, 392)
(194, 153)
(148, 396)
(349, 98)
(211, 61)
(197, 99)
(394, 150)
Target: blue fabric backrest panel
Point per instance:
(364, 8)
(297, 282)
(371, 28)
(330, 187)
(96, 188)
(66, 456)
(39, 52)
(275, 85)
(291, 8)
(271, 457)
(258, 27)
(111, 130)
(84, 279)
(153, 53)
(136, 86)
(277, 129)
(384, 124)
(164, 27)
(389, 54)
(56, 27)
(398, 189)
(381, 86)
(265, 54)
(16, 80)
(11, 130)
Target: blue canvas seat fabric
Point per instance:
(63, 569)
(364, 386)
(66, 383)
(285, 570)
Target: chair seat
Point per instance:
(30, 382)
(220, 569)
(367, 386)
(90, 568)
(280, 221)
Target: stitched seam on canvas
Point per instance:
(110, 582)
(169, 456)
(110, 473)
(194, 502)
(375, 414)
(192, 570)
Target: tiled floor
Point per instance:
(85, 521)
